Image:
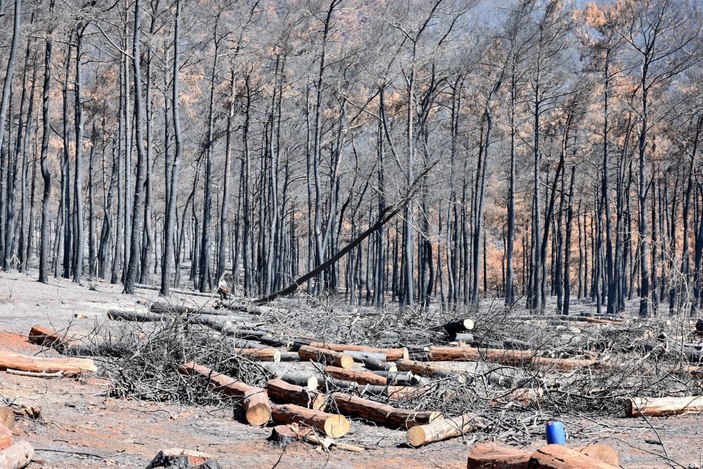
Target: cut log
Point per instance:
(17, 456)
(286, 434)
(263, 354)
(287, 393)
(165, 308)
(303, 378)
(398, 378)
(442, 429)
(459, 325)
(69, 366)
(134, 316)
(392, 354)
(48, 337)
(506, 357)
(255, 401)
(290, 357)
(429, 370)
(179, 457)
(379, 365)
(326, 356)
(662, 406)
(381, 414)
(5, 437)
(361, 357)
(488, 455)
(332, 425)
(561, 457)
(361, 377)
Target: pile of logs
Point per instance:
(315, 401)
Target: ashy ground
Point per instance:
(82, 427)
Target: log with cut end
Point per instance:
(442, 429)
(662, 406)
(506, 357)
(361, 357)
(489, 455)
(459, 325)
(17, 456)
(48, 337)
(379, 365)
(307, 379)
(382, 414)
(69, 366)
(327, 356)
(429, 370)
(255, 401)
(134, 316)
(398, 378)
(561, 457)
(260, 354)
(281, 391)
(332, 425)
(392, 354)
(361, 377)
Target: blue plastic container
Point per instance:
(555, 433)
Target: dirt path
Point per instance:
(81, 427)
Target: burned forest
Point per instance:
(351, 231)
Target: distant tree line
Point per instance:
(531, 149)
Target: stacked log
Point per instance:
(361, 377)
(381, 414)
(506, 357)
(332, 425)
(442, 429)
(392, 354)
(255, 402)
(281, 391)
(260, 354)
(327, 356)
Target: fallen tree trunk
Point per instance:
(326, 356)
(392, 354)
(134, 316)
(166, 308)
(332, 425)
(662, 406)
(506, 357)
(490, 455)
(361, 377)
(255, 400)
(287, 393)
(381, 414)
(429, 370)
(442, 429)
(260, 354)
(379, 365)
(69, 366)
(17, 456)
(384, 217)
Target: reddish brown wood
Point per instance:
(488, 455)
(361, 377)
(392, 354)
(284, 392)
(382, 414)
(327, 356)
(69, 366)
